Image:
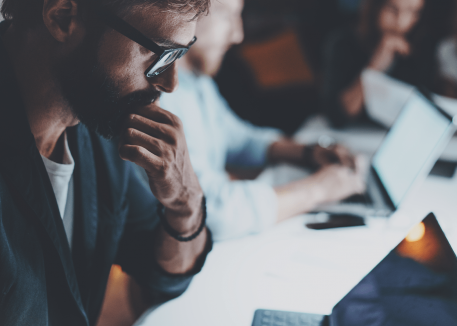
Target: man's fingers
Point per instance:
(345, 157)
(360, 184)
(332, 156)
(140, 156)
(153, 112)
(355, 182)
(362, 165)
(138, 138)
(149, 127)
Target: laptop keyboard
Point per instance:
(364, 199)
(285, 318)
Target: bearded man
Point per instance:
(70, 207)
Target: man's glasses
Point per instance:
(165, 57)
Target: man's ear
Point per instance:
(61, 18)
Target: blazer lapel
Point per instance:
(28, 176)
(86, 205)
(24, 170)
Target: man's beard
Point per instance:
(93, 96)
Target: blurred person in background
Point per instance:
(217, 138)
(392, 37)
(447, 65)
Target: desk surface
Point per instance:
(293, 268)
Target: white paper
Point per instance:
(384, 96)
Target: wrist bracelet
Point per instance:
(173, 233)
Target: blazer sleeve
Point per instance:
(135, 252)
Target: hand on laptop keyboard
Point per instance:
(337, 182)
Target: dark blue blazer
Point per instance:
(42, 282)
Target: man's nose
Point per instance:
(167, 81)
(238, 32)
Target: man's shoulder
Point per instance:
(192, 83)
(188, 96)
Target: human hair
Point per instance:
(28, 13)
(435, 21)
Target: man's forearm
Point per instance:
(298, 198)
(352, 99)
(286, 151)
(177, 257)
(330, 184)
(154, 140)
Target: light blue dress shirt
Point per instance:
(217, 137)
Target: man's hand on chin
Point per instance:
(154, 139)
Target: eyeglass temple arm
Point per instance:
(129, 31)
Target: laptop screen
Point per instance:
(415, 285)
(410, 146)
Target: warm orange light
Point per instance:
(417, 233)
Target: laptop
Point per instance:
(403, 161)
(414, 285)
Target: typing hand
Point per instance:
(153, 138)
(316, 156)
(337, 182)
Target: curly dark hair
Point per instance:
(28, 13)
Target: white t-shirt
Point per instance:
(61, 176)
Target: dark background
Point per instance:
(286, 105)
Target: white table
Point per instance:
(293, 268)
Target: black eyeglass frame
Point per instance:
(135, 35)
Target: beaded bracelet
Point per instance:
(173, 233)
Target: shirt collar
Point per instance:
(66, 167)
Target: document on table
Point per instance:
(384, 96)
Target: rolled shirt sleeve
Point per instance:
(247, 145)
(216, 137)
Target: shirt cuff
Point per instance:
(255, 151)
(269, 137)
